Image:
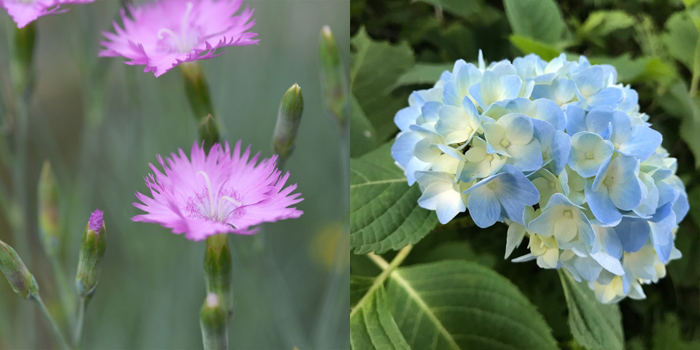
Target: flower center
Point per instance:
(552, 184)
(186, 39)
(568, 214)
(225, 205)
(505, 143)
(590, 155)
(489, 157)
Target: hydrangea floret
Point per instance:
(560, 152)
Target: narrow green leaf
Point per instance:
(601, 23)
(384, 211)
(373, 326)
(463, 305)
(537, 19)
(363, 136)
(374, 69)
(528, 46)
(594, 325)
(423, 74)
(462, 8)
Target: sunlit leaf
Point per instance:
(528, 46)
(373, 327)
(423, 74)
(536, 19)
(463, 305)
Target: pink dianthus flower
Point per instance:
(165, 33)
(24, 12)
(214, 193)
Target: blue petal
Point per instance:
(406, 116)
(575, 120)
(627, 195)
(606, 97)
(466, 77)
(610, 241)
(527, 157)
(450, 95)
(516, 192)
(598, 120)
(402, 149)
(633, 233)
(609, 263)
(483, 206)
(550, 112)
(559, 151)
(602, 207)
(511, 85)
(642, 143)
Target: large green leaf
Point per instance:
(678, 103)
(384, 211)
(363, 136)
(594, 325)
(373, 327)
(462, 305)
(423, 74)
(374, 69)
(359, 285)
(537, 19)
(680, 38)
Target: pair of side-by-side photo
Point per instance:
(350, 174)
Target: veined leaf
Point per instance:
(594, 325)
(374, 69)
(537, 19)
(363, 136)
(373, 327)
(423, 74)
(384, 211)
(359, 285)
(463, 305)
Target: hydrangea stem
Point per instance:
(199, 99)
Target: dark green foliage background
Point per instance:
(651, 43)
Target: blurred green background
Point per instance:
(290, 281)
(654, 46)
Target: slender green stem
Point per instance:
(386, 271)
(78, 336)
(57, 331)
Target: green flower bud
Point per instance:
(91, 251)
(213, 320)
(21, 280)
(333, 78)
(21, 61)
(217, 269)
(288, 119)
(199, 99)
(49, 229)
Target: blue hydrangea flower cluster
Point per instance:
(560, 152)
